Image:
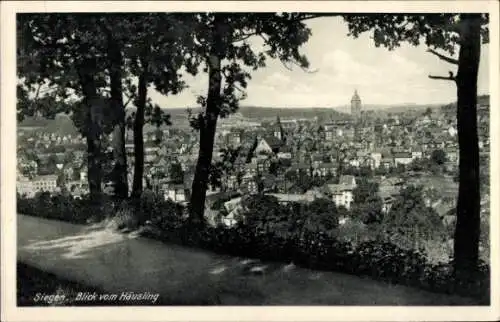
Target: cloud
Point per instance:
(344, 64)
(277, 79)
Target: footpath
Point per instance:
(119, 263)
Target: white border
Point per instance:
(352, 313)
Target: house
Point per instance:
(268, 145)
(286, 198)
(377, 158)
(451, 154)
(285, 153)
(387, 162)
(249, 186)
(402, 158)
(354, 162)
(176, 193)
(25, 187)
(234, 138)
(299, 168)
(348, 180)
(263, 165)
(251, 168)
(342, 193)
(325, 169)
(329, 135)
(42, 183)
(417, 154)
(234, 210)
(230, 182)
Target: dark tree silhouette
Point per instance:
(63, 54)
(159, 49)
(446, 32)
(223, 44)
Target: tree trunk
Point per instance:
(207, 129)
(466, 242)
(93, 128)
(138, 137)
(120, 158)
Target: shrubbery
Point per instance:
(66, 208)
(278, 233)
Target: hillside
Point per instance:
(62, 124)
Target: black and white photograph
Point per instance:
(251, 158)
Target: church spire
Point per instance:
(279, 132)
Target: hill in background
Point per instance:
(62, 124)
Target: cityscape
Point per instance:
(236, 201)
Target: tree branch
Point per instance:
(245, 36)
(37, 92)
(443, 57)
(307, 16)
(129, 100)
(297, 64)
(451, 77)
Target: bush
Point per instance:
(66, 208)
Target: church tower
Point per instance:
(279, 133)
(356, 106)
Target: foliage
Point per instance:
(438, 31)
(65, 208)
(438, 157)
(446, 32)
(364, 190)
(410, 217)
(176, 173)
(228, 57)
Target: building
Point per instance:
(268, 145)
(278, 130)
(28, 188)
(176, 193)
(286, 198)
(356, 106)
(233, 138)
(403, 158)
(342, 193)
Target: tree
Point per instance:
(157, 52)
(321, 216)
(215, 176)
(370, 211)
(364, 190)
(438, 157)
(411, 219)
(65, 55)
(262, 213)
(223, 43)
(446, 32)
(176, 173)
(367, 204)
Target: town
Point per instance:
(295, 160)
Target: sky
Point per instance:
(344, 64)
